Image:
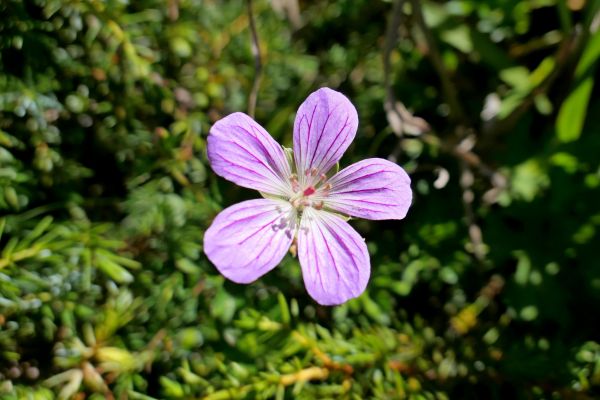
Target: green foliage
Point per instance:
(105, 192)
(572, 113)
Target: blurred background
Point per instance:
(489, 289)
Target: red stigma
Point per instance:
(309, 190)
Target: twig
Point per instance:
(456, 110)
(304, 375)
(391, 37)
(308, 374)
(461, 147)
(401, 120)
(567, 55)
(568, 50)
(465, 154)
(154, 342)
(457, 113)
(252, 98)
(466, 319)
(324, 358)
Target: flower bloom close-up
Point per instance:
(304, 205)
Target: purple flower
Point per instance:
(303, 206)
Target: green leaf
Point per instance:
(571, 116)
(543, 104)
(283, 306)
(566, 161)
(459, 37)
(171, 388)
(542, 71)
(114, 270)
(517, 77)
(529, 179)
(590, 55)
(223, 306)
(510, 103)
(434, 14)
(523, 268)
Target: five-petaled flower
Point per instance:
(303, 205)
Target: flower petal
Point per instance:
(373, 189)
(247, 240)
(334, 258)
(242, 151)
(325, 126)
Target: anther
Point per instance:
(294, 181)
(326, 188)
(318, 205)
(281, 225)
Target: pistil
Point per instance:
(309, 190)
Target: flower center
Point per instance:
(309, 194)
